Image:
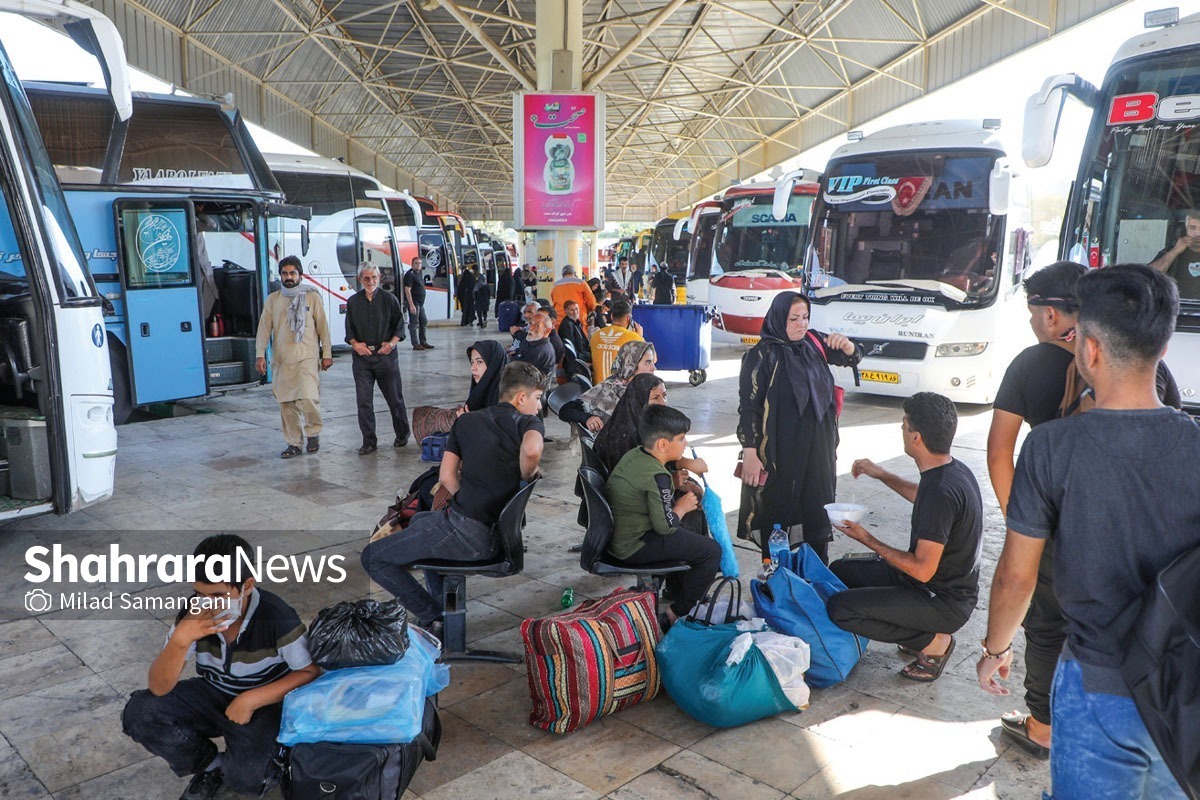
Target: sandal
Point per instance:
(314, 444)
(1014, 725)
(291, 452)
(907, 651)
(927, 669)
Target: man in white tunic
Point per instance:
(293, 323)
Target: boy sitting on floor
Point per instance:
(251, 650)
(646, 515)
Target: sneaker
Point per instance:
(204, 786)
(367, 449)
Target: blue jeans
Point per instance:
(445, 535)
(1100, 749)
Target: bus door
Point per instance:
(162, 299)
(377, 248)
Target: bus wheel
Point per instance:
(697, 377)
(122, 393)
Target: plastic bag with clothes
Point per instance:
(367, 705)
(362, 633)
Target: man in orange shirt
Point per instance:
(571, 288)
(608, 340)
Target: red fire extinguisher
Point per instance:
(216, 326)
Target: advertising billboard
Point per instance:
(558, 154)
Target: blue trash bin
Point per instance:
(681, 335)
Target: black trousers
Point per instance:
(884, 605)
(1045, 634)
(701, 553)
(179, 728)
(384, 370)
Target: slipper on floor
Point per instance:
(1013, 725)
(927, 669)
(908, 651)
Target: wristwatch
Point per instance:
(989, 654)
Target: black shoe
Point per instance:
(401, 441)
(426, 346)
(291, 452)
(204, 786)
(367, 449)
(313, 444)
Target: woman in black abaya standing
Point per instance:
(787, 425)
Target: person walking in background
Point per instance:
(293, 324)
(414, 298)
(466, 296)
(663, 285)
(483, 299)
(374, 326)
(788, 425)
(571, 289)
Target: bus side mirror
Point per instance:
(999, 187)
(1043, 111)
(303, 240)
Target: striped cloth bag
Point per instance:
(592, 660)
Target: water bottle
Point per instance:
(778, 546)
(568, 597)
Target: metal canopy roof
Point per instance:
(700, 92)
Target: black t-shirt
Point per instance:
(539, 353)
(413, 281)
(949, 510)
(1117, 492)
(1033, 384)
(489, 443)
(1185, 269)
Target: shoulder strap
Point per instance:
(820, 345)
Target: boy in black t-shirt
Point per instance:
(489, 453)
(918, 598)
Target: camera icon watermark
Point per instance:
(38, 600)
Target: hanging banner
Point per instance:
(558, 155)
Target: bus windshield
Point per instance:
(908, 217)
(1140, 178)
(749, 237)
(670, 251)
(328, 193)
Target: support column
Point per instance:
(559, 59)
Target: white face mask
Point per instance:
(233, 610)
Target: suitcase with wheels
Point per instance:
(508, 314)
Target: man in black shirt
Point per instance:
(414, 298)
(571, 330)
(918, 598)
(663, 284)
(1032, 391)
(1181, 260)
(535, 347)
(374, 325)
(1115, 490)
(489, 453)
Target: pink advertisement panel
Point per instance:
(559, 133)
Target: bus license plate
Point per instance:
(750, 340)
(880, 377)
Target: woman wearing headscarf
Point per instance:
(787, 425)
(594, 407)
(487, 358)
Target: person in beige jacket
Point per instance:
(293, 323)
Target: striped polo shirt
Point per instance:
(271, 643)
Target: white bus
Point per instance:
(350, 226)
(1139, 173)
(56, 399)
(919, 242)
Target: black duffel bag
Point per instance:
(362, 633)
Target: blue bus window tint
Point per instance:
(75, 130)
(156, 248)
(12, 266)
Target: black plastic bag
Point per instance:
(363, 633)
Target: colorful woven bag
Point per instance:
(593, 660)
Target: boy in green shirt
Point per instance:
(647, 516)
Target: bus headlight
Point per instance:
(960, 349)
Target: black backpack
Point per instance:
(1162, 667)
(333, 771)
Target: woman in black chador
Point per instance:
(787, 425)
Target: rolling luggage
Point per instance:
(508, 314)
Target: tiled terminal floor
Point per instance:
(64, 680)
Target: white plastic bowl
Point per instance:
(845, 512)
